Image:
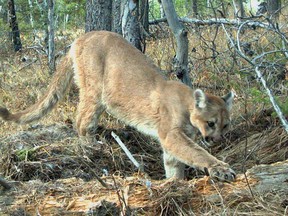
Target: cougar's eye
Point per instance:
(211, 124)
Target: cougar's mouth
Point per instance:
(206, 144)
(213, 139)
(209, 142)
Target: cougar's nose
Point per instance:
(217, 138)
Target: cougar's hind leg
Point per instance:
(89, 111)
(90, 107)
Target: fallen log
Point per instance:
(218, 21)
(262, 190)
(256, 182)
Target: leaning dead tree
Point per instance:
(180, 33)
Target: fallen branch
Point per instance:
(213, 21)
(180, 34)
(254, 63)
(127, 152)
(272, 99)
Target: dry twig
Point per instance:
(128, 153)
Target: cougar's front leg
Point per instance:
(177, 144)
(173, 167)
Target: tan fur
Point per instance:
(114, 76)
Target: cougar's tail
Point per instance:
(59, 84)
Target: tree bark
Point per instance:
(14, 26)
(130, 23)
(144, 21)
(98, 15)
(51, 36)
(116, 18)
(181, 59)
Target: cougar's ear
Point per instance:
(228, 98)
(200, 99)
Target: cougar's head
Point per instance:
(211, 115)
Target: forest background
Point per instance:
(231, 45)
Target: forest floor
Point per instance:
(54, 172)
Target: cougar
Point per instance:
(114, 76)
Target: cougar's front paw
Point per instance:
(222, 173)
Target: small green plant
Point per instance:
(28, 154)
(283, 106)
(258, 96)
(25, 154)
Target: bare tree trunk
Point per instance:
(30, 14)
(130, 23)
(144, 21)
(116, 18)
(181, 59)
(14, 26)
(144, 14)
(242, 11)
(274, 8)
(98, 15)
(195, 8)
(43, 7)
(162, 13)
(51, 36)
